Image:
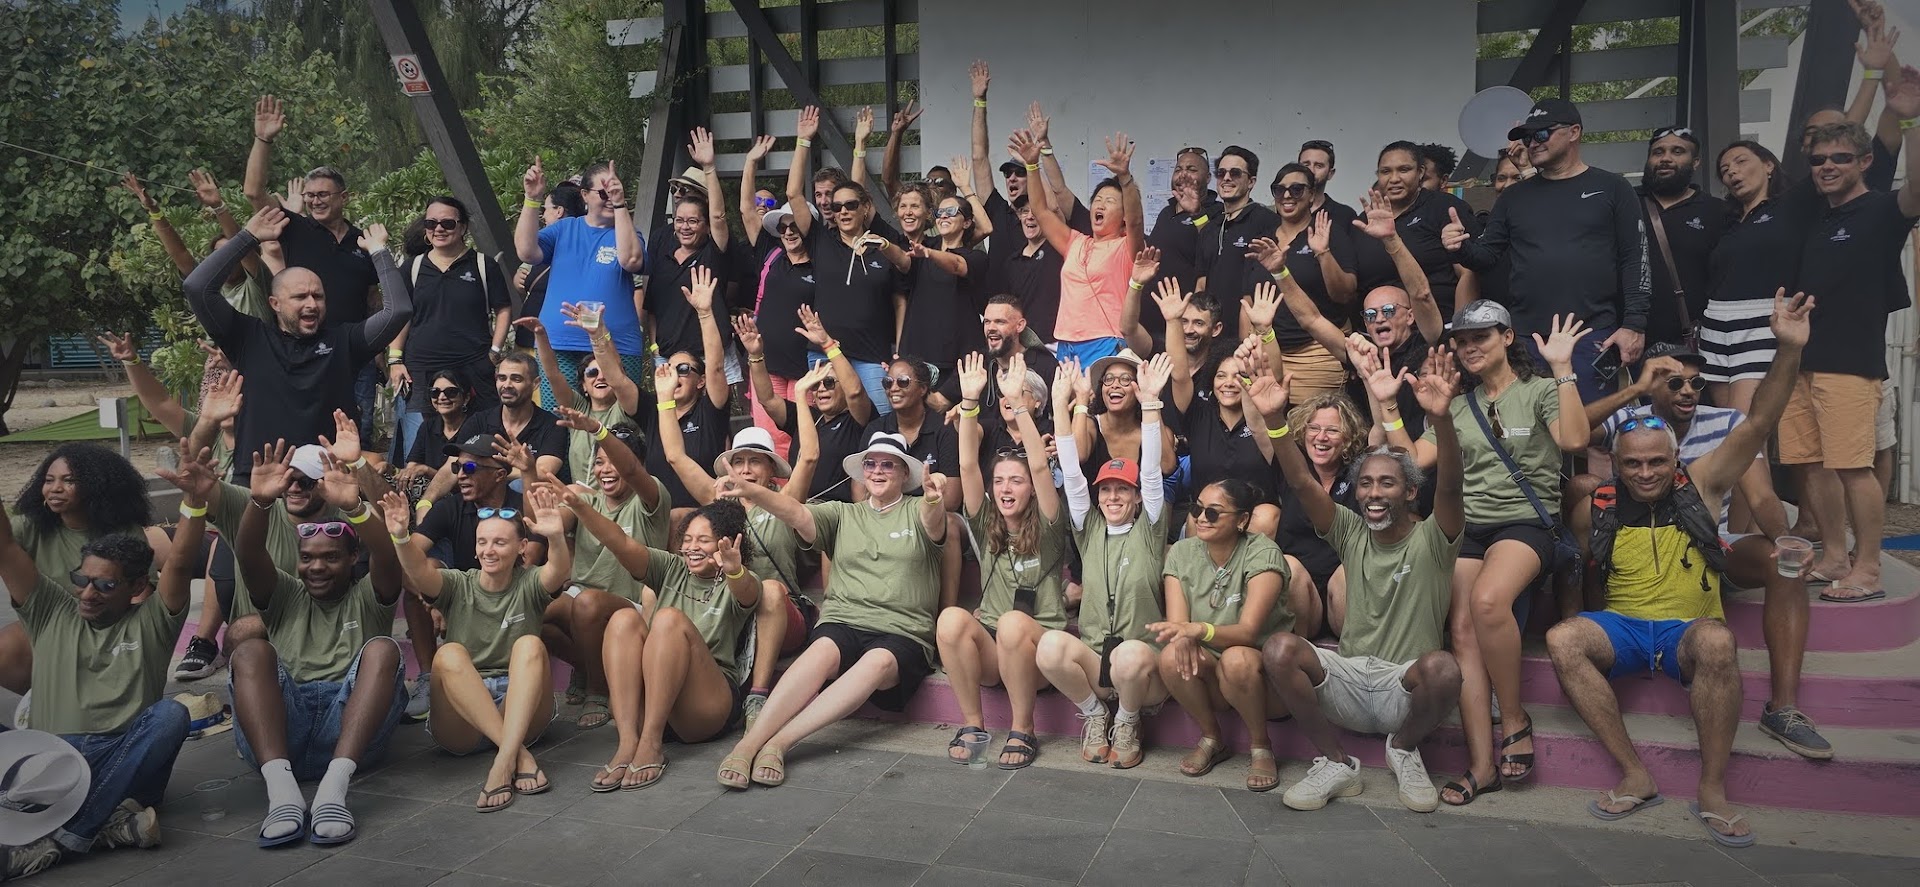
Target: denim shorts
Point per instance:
(496, 688)
(314, 711)
(1641, 646)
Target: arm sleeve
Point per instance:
(203, 288)
(497, 296)
(1153, 493)
(395, 311)
(1079, 498)
(1630, 249)
(1483, 252)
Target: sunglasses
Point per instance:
(785, 228)
(590, 373)
(443, 393)
(1654, 422)
(603, 192)
(1385, 312)
(891, 382)
(1229, 173)
(1011, 453)
(879, 466)
(765, 202)
(1839, 158)
(81, 581)
(332, 529)
(469, 468)
(946, 212)
(685, 369)
(1697, 383)
(939, 183)
(844, 206)
(829, 383)
(441, 224)
(1541, 135)
(302, 483)
(501, 513)
(1209, 514)
(1295, 190)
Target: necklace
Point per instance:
(1216, 595)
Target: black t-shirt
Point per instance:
(294, 383)
(1578, 246)
(1296, 535)
(429, 443)
(345, 270)
(1494, 284)
(943, 310)
(840, 436)
(937, 444)
(1230, 274)
(452, 310)
(854, 295)
(1305, 267)
(1008, 237)
(1217, 452)
(1694, 227)
(1851, 264)
(1420, 228)
(451, 522)
(706, 431)
(543, 435)
(1760, 254)
(676, 327)
(1179, 244)
(1202, 403)
(1879, 176)
(1035, 279)
(788, 286)
(537, 277)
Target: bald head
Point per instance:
(1387, 316)
(298, 301)
(1646, 460)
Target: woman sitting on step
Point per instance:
(875, 637)
(1121, 551)
(1022, 543)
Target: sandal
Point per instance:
(1866, 594)
(596, 713)
(1025, 753)
(778, 766)
(1639, 804)
(1815, 577)
(1204, 757)
(576, 689)
(490, 794)
(737, 764)
(293, 813)
(658, 770)
(1524, 759)
(968, 730)
(1707, 819)
(609, 770)
(1473, 789)
(538, 789)
(1270, 771)
(331, 813)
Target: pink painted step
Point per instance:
(1885, 624)
(1876, 772)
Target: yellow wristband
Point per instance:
(740, 575)
(1080, 409)
(859, 152)
(530, 203)
(396, 353)
(833, 352)
(1208, 637)
(1394, 425)
(666, 406)
(360, 517)
(1033, 167)
(602, 433)
(1277, 433)
(399, 540)
(423, 505)
(979, 103)
(653, 348)
(357, 464)
(1285, 273)
(155, 216)
(1267, 335)
(804, 143)
(1872, 74)
(1200, 221)
(190, 511)
(1909, 123)
(966, 413)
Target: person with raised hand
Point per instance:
(1122, 548)
(831, 399)
(1223, 265)
(890, 160)
(1391, 673)
(946, 286)
(491, 685)
(592, 260)
(782, 282)
(698, 246)
(460, 304)
(1317, 256)
(1220, 440)
(320, 694)
(605, 391)
(1192, 338)
(1099, 289)
(1177, 233)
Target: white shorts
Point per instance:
(1885, 436)
(1362, 693)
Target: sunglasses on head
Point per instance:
(1643, 422)
(81, 581)
(475, 468)
(1697, 383)
(1839, 158)
(946, 212)
(501, 513)
(1665, 131)
(843, 206)
(891, 382)
(448, 393)
(1229, 173)
(442, 224)
(1209, 514)
(1383, 312)
(1295, 190)
(1190, 150)
(1011, 453)
(332, 529)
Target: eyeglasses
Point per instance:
(879, 466)
(332, 529)
(1839, 158)
(765, 202)
(1654, 422)
(686, 223)
(302, 482)
(1011, 453)
(443, 393)
(892, 382)
(467, 468)
(1116, 379)
(1697, 383)
(501, 513)
(846, 206)
(1229, 173)
(311, 196)
(1295, 190)
(1384, 312)
(81, 581)
(442, 224)
(1318, 430)
(685, 369)
(1209, 514)
(946, 212)
(1541, 135)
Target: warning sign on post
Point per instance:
(413, 81)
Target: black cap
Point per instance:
(1545, 113)
(1013, 168)
(480, 445)
(1678, 352)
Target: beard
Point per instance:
(1672, 185)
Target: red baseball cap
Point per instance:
(1124, 470)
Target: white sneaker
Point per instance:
(1416, 786)
(1326, 780)
(1096, 744)
(21, 711)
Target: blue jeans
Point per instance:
(132, 764)
(870, 376)
(365, 385)
(408, 427)
(314, 710)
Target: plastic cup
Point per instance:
(213, 798)
(590, 314)
(976, 747)
(1792, 555)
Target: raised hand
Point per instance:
(223, 398)
(616, 189)
(962, 174)
(905, 117)
(396, 515)
(725, 487)
(1903, 98)
(513, 453)
(295, 200)
(272, 471)
(809, 124)
(1154, 375)
(267, 224)
(664, 380)
(700, 295)
(373, 238)
(727, 553)
(1188, 199)
(534, 181)
(700, 148)
(338, 487)
(205, 188)
(1383, 384)
(1146, 265)
(747, 330)
(195, 476)
(1171, 301)
(973, 376)
(761, 146)
(1082, 384)
(813, 377)
(1037, 122)
(1876, 51)
(575, 420)
(1557, 348)
(533, 324)
(1376, 219)
(1438, 383)
(1064, 378)
(1320, 233)
(544, 517)
(345, 445)
(1454, 235)
(862, 125)
(1261, 307)
(119, 346)
(980, 77)
(131, 182)
(268, 118)
(1119, 159)
(812, 329)
(1268, 253)
(1269, 395)
(1022, 144)
(1013, 382)
(1790, 318)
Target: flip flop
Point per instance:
(1724, 840)
(735, 764)
(1210, 753)
(337, 814)
(293, 813)
(1473, 789)
(596, 707)
(490, 794)
(539, 789)
(1639, 804)
(609, 770)
(1815, 577)
(778, 766)
(643, 768)
(1871, 594)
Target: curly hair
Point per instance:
(112, 494)
(129, 552)
(1351, 425)
(1026, 541)
(728, 520)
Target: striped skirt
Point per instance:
(1736, 339)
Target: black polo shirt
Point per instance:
(1008, 237)
(1851, 264)
(840, 436)
(937, 444)
(344, 269)
(854, 295)
(788, 286)
(943, 310)
(1694, 227)
(451, 523)
(1034, 278)
(706, 431)
(543, 435)
(1178, 241)
(1296, 535)
(1420, 228)
(1305, 267)
(1216, 452)
(676, 327)
(1759, 254)
(452, 310)
(1230, 274)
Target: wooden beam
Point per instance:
(1826, 70)
(889, 50)
(1531, 72)
(667, 119)
(1710, 82)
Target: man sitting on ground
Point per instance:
(1655, 544)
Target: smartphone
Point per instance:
(1607, 365)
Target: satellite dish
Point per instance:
(1486, 118)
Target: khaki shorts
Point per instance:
(1363, 694)
(1315, 371)
(1830, 421)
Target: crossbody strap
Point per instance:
(1659, 225)
(1513, 470)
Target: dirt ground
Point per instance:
(40, 402)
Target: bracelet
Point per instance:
(756, 359)
(399, 540)
(1151, 405)
(616, 206)
(666, 406)
(1208, 637)
(968, 413)
(1134, 285)
(256, 504)
(156, 216)
(1909, 123)
(833, 352)
(1080, 409)
(1033, 167)
(1266, 335)
(360, 517)
(130, 363)
(190, 511)
(1874, 74)
(601, 434)
(1394, 425)
(531, 203)
(1277, 433)
(1019, 411)
(740, 575)
(215, 209)
(357, 464)
(1047, 151)
(1200, 221)
(804, 143)
(1562, 380)
(1283, 274)
(703, 315)
(259, 139)
(979, 103)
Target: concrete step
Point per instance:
(1885, 624)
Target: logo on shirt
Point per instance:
(807, 277)
(1400, 574)
(606, 255)
(1586, 194)
(1246, 432)
(873, 263)
(349, 626)
(1840, 235)
(901, 534)
(1413, 221)
(1764, 217)
(1306, 249)
(1233, 599)
(510, 619)
(126, 647)
(689, 427)
(1240, 242)
(467, 276)
(323, 349)
(1695, 224)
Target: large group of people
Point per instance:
(1297, 465)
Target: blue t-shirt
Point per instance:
(586, 268)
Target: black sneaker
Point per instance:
(202, 659)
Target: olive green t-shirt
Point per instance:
(249, 296)
(581, 445)
(283, 540)
(1526, 413)
(1397, 595)
(57, 553)
(1120, 578)
(95, 680)
(1002, 574)
(318, 640)
(776, 548)
(596, 567)
(222, 456)
(711, 606)
(1216, 594)
(488, 622)
(886, 571)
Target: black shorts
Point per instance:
(908, 656)
(1480, 537)
(734, 716)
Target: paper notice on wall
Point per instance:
(1158, 185)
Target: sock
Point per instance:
(333, 790)
(1091, 706)
(1125, 715)
(281, 790)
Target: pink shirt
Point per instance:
(1093, 288)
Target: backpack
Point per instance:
(479, 262)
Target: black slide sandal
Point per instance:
(968, 730)
(1026, 753)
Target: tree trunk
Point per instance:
(11, 363)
